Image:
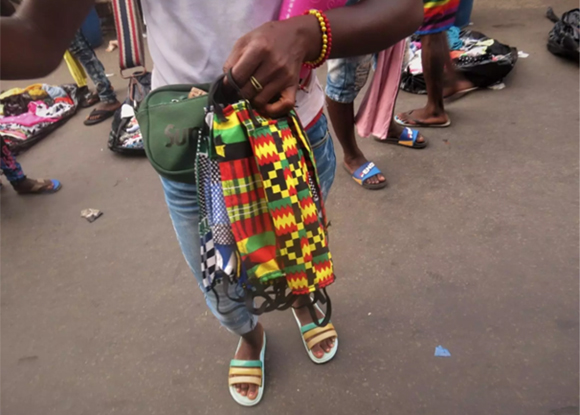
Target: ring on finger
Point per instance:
(257, 85)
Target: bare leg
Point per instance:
(342, 118)
(435, 52)
(454, 80)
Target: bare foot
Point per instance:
(250, 349)
(395, 131)
(305, 318)
(423, 117)
(353, 163)
(28, 186)
(109, 106)
(458, 86)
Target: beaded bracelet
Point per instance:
(326, 39)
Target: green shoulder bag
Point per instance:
(171, 125)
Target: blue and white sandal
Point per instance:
(247, 371)
(312, 335)
(408, 138)
(364, 172)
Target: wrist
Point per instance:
(309, 36)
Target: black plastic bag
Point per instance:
(139, 87)
(482, 69)
(563, 39)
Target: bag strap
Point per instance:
(128, 23)
(219, 97)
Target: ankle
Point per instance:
(353, 157)
(254, 338)
(435, 110)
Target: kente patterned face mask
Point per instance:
(263, 224)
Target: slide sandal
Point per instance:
(96, 116)
(364, 172)
(247, 371)
(89, 99)
(312, 335)
(416, 123)
(408, 138)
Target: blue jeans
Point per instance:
(82, 50)
(346, 77)
(181, 200)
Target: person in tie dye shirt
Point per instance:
(438, 17)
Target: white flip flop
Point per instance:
(247, 371)
(312, 335)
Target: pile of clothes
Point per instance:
(125, 136)
(482, 60)
(28, 115)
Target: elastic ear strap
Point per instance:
(234, 84)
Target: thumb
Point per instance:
(284, 105)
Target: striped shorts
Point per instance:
(439, 15)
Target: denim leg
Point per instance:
(10, 167)
(83, 51)
(323, 149)
(181, 200)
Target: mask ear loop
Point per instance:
(233, 83)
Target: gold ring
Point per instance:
(256, 84)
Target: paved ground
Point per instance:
(474, 246)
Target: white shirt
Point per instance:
(190, 40)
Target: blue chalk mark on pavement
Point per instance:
(441, 351)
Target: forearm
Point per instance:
(367, 27)
(34, 40)
(25, 54)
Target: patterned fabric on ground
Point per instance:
(438, 16)
(36, 91)
(40, 109)
(16, 104)
(131, 136)
(27, 120)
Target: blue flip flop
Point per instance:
(39, 187)
(408, 138)
(248, 371)
(364, 172)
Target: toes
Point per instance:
(376, 179)
(253, 392)
(327, 346)
(244, 389)
(323, 347)
(317, 351)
